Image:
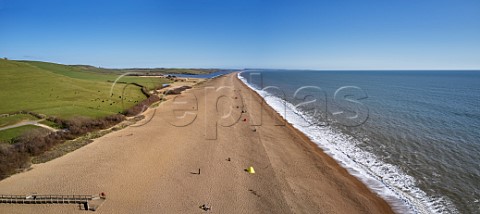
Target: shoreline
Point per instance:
(402, 197)
(149, 168)
(316, 148)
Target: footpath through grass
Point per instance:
(7, 120)
(8, 134)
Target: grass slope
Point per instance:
(97, 70)
(91, 73)
(66, 91)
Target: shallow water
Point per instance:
(415, 140)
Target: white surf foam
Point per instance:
(387, 180)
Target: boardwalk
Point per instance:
(54, 199)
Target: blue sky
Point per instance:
(335, 34)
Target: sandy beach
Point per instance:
(152, 167)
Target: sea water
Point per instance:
(413, 137)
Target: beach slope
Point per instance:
(174, 163)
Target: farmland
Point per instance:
(66, 92)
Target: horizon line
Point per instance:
(281, 69)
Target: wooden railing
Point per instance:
(51, 199)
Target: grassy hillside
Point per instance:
(94, 74)
(87, 69)
(66, 91)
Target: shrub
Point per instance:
(36, 142)
(142, 106)
(11, 160)
(177, 90)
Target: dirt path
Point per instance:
(153, 168)
(24, 123)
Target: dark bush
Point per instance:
(11, 160)
(142, 106)
(36, 142)
(146, 92)
(177, 90)
(37, 115)
(31, 142)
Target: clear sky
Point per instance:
(334, 34)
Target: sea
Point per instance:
(207, 76)
(413, 137)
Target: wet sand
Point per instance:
(153, 168)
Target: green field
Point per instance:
(7, 135)
(66, 91)
(95, 74)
